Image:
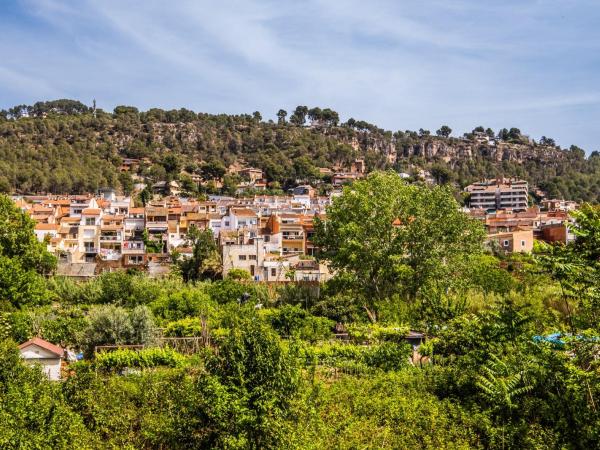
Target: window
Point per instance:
(227, 223)
(252, 257)
(505, 243)
(267, 238)
(522, 243)
(90, 221)
(273, 272)
(242, 257)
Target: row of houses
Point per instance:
(269, 236)
(502, 205)
(516, 231)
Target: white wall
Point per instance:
(49, 362)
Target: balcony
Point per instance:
(90, 250)
(133, 248)
(293, 237)
(110, 255)
(157, 225)
(111, 237)
(135, 261)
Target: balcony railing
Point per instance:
(109, 237)
(157, 225)
(293, 237)
(135, 250)
(108, 255)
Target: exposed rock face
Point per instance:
(452, 150)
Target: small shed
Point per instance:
(47, 355)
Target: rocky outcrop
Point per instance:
(453, 150)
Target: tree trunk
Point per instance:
(371, 313)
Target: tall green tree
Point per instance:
(255, 379)
(444, 131)
(384, 237)
(299, 115)
(33, 410)
(281, 115)
(205, 262)
(23, 260)
(576, 267)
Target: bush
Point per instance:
(294, 321)
(112, 325)
(363, 333)
(229, 290)
(185, 302)
(239, 274)
(146, 358)
(188, 327)
(33, 410)
(387, 356)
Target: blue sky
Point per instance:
(533, 64)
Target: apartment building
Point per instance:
(499, 193)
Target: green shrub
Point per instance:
(362, 333)
(294, 321)
(187, 301)
(386, 356)
(188, 327)
(146, 358)
(229, 290)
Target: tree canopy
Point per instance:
(385, 237)
(23, 260)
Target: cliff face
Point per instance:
(386, 147)
(452, 150)
(497, 152)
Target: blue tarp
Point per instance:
(554, 339)
(557, 338)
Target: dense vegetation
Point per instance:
(64, 146)
(270, 374)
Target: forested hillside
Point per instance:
(64, 146)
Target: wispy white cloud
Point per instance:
(401, 64)
(24, 83)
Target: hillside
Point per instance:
(66, 147)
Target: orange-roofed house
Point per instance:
(79, 203)
(42, 230)
(517, 241)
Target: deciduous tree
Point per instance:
(385, 237)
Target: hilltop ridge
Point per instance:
(66, 147)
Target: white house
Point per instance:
(43, 229)
(47, 355)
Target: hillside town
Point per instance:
(269, 236)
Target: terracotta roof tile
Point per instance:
(46, 226)
(58, 351)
